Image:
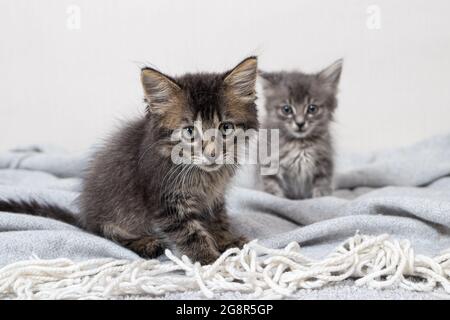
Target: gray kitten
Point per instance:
(301, 106)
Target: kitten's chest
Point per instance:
(198, 194)
(297, 168)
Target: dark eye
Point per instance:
(287, 109)
(312, 108)
(188, 132)
(226, 128)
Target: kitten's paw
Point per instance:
(271, 186)
(239, 242)
(274, 190)
(154, 250)
(206, 258)
(147, 247)
(321, 192)
(235, 243)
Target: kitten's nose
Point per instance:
(210, 152)
(211, 156)
(300, 125)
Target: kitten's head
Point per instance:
(301, 105)
(201, 113)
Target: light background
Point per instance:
(69, 87)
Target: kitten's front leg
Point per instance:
(272, 186)
(191, 237)
(322, 187)
(220, 229)
(145, 245)
(322, 179)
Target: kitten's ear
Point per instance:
(270, 83)
(267, 79)
(330, 76)
(160, 90)
(241, 81)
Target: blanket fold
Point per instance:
(401, 192)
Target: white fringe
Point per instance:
(375, 261)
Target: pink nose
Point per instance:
(210, 152)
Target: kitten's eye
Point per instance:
(189, 132)
(287, 109)
(312, 108)
(226, 128)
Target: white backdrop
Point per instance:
(66, 78)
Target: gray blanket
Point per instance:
(404, 192)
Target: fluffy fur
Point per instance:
(301, 106)
(135, 195)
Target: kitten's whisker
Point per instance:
(183, 174)
(164, 189)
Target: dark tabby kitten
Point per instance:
(133, 192)
(301, 106)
